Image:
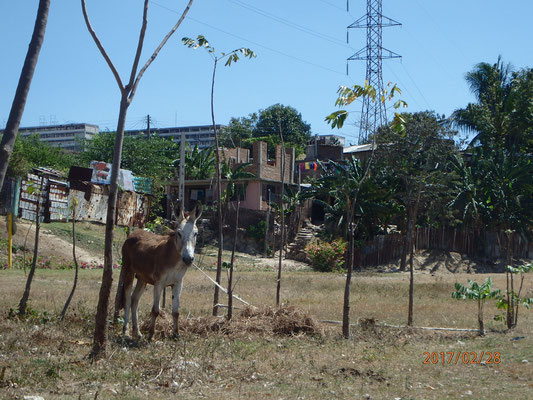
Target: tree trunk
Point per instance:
(405, 247)
(411, 289)
(219, 197)
(67, 303)
(100, 329)
(349, 269)
(412, 214)
(127, 93)
(480, 318)
(230, 280)
(23, 88)
(26, 295)
(510, 285)
(282, 239)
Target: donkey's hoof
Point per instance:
(138, 336)
(175, 335)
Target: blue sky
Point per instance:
(301, 57)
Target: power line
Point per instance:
(416, 86)
(288, 23)
(332, 5)
(252, 42)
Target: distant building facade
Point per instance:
(66, 136)
(202, 136)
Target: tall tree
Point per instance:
(416, 157)
(127, 92)
(231, 57)
(264, 125)
(30, 152)
(503, 113)
(23, 88)
(348, 181)
(296, 132)
(238, 132)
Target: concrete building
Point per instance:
(202, 136)
(65, 136)
(267, 178)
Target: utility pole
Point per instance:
(373, 114)
(182, 170)
(148, 127)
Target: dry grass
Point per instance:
(263, 353)
(262, 322)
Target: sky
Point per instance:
(301, 57)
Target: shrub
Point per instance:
(257, 231)
(327, 256)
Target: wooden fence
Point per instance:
(385, 249)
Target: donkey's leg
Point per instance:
(135, 297)
(176, 292)
(128, 285)
(158, 288)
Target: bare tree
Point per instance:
(230, 279)
(127, 93)
(230, 57)
(24, 300)
(282, 208)
(71, 295)
(23, 87)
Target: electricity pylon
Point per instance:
(373, 114)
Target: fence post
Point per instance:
(10, 240)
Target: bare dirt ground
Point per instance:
(50, 245)
(60, 248)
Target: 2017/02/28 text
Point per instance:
(461, 357)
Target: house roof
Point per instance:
(358, 148)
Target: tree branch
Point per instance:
(156, 52)
(100, 47)
(139, 45)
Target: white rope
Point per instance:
(222, 288)
(404, 327)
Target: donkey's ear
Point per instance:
(196, 211)
(179, 212)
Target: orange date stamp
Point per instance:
(462, 357)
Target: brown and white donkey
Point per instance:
(160, 260)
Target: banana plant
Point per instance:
(511, 299)
(480, 293)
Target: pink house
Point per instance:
(267, 178)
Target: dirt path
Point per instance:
(50, 246)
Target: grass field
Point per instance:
(46, 357)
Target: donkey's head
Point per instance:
(186, 233)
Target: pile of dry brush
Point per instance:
(264, 321)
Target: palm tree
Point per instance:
(502, 115)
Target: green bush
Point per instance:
(257, 231)
(327, 256)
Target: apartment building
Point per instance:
(66, 136)
(202, 136)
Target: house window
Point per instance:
(197, 194)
